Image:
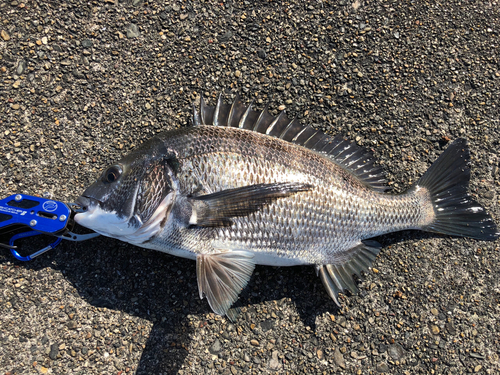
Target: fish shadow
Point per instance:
(163, 289)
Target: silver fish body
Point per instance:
(242, 188)
(316, 226)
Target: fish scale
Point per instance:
(242, 187)
(358, 213)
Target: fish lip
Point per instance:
(89, 204)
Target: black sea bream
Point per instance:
(242, 187)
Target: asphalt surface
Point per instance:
(81, 83)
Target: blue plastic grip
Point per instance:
(40, 214)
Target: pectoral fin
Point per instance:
(222, 276)
(339, 277)
(217, 209)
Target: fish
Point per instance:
(242, 187)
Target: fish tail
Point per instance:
(456, 213)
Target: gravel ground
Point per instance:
(81, 83)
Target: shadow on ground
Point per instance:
(162, 289)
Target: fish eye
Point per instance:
(112, 174)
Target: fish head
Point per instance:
(130, 193)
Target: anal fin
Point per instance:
(222, 276)
(339, 277)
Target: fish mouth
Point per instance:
(88, 204)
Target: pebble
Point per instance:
(45, 40)
(16, 84)
(132, 31)
(21, 67)
(5, 36)
(254, 342)
(87, 43)
(216, 347)
(435, 329)
(183, 16)
(274, 363)
(382, 367)
(224, 38)
(338, 358)
(54, 351)
(396, 351)
(237, 74)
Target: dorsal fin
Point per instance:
(350, 156)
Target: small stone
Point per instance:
(148, 106)
(216, 347)
(261, 53)
(274, 363)
(187, 39)
(281, 107)
(233, 370)
(71, 324)
(224, 38)
(54, 351)
(266, 325)
(16, 84)
(38, 42)
(5, 36)
(434, 311)
(338, 358)
(435, 330)
(382, 367)
(183, 17)
(478, 368)
(237, 74)
(86, 43)
(132, 31)
(254, 342)
(15, 106)
(45, 40)
(320, 354)
(396, 351)
(21, 67)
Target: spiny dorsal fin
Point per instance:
(350, 156)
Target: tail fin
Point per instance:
(457, 214)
